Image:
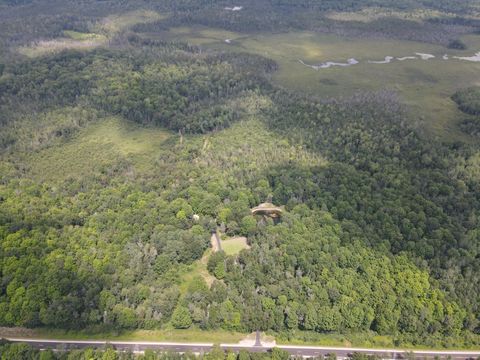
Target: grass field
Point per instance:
(75, 35)
(425, 86)
(198, 268)
(97, 146)
(169, 335)
(233, 246)
(117, 22)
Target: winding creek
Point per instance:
(389, 59)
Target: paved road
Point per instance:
(305, 351)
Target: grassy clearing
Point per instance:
(198, 268)
(45, 47)
(75, 35)
(234, 152)
(96, 147)
(426, 86)
(367, 340)
(233, 246)
(117, 22)
(167, 335)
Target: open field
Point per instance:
(233, 246)
(118, 22)
(96, 146)
(170, 335)
(44, 47)
(198, 268)
(425, 86)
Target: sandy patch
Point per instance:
(267, 341)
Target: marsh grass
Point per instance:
(426, 86)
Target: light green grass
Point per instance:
(97, 147)
(368, 340)
(75, 35)
(193, 335)
(198, 268)
(233, 246)
(117, 22)
(56, 45)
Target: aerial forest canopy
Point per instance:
(120, 154)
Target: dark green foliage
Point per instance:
(457, 45)
(17, 352)
(279, 354)
(181, 318)
(468, 100)
(177, 88)
(214, 260)
(471, 126)
(25, 352)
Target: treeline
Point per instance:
(468, 100)
(18, 351)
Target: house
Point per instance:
(267, 209)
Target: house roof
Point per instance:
(267, 209)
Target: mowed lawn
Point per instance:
(233, 246)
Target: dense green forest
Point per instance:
(468, 101)
(380, 229)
